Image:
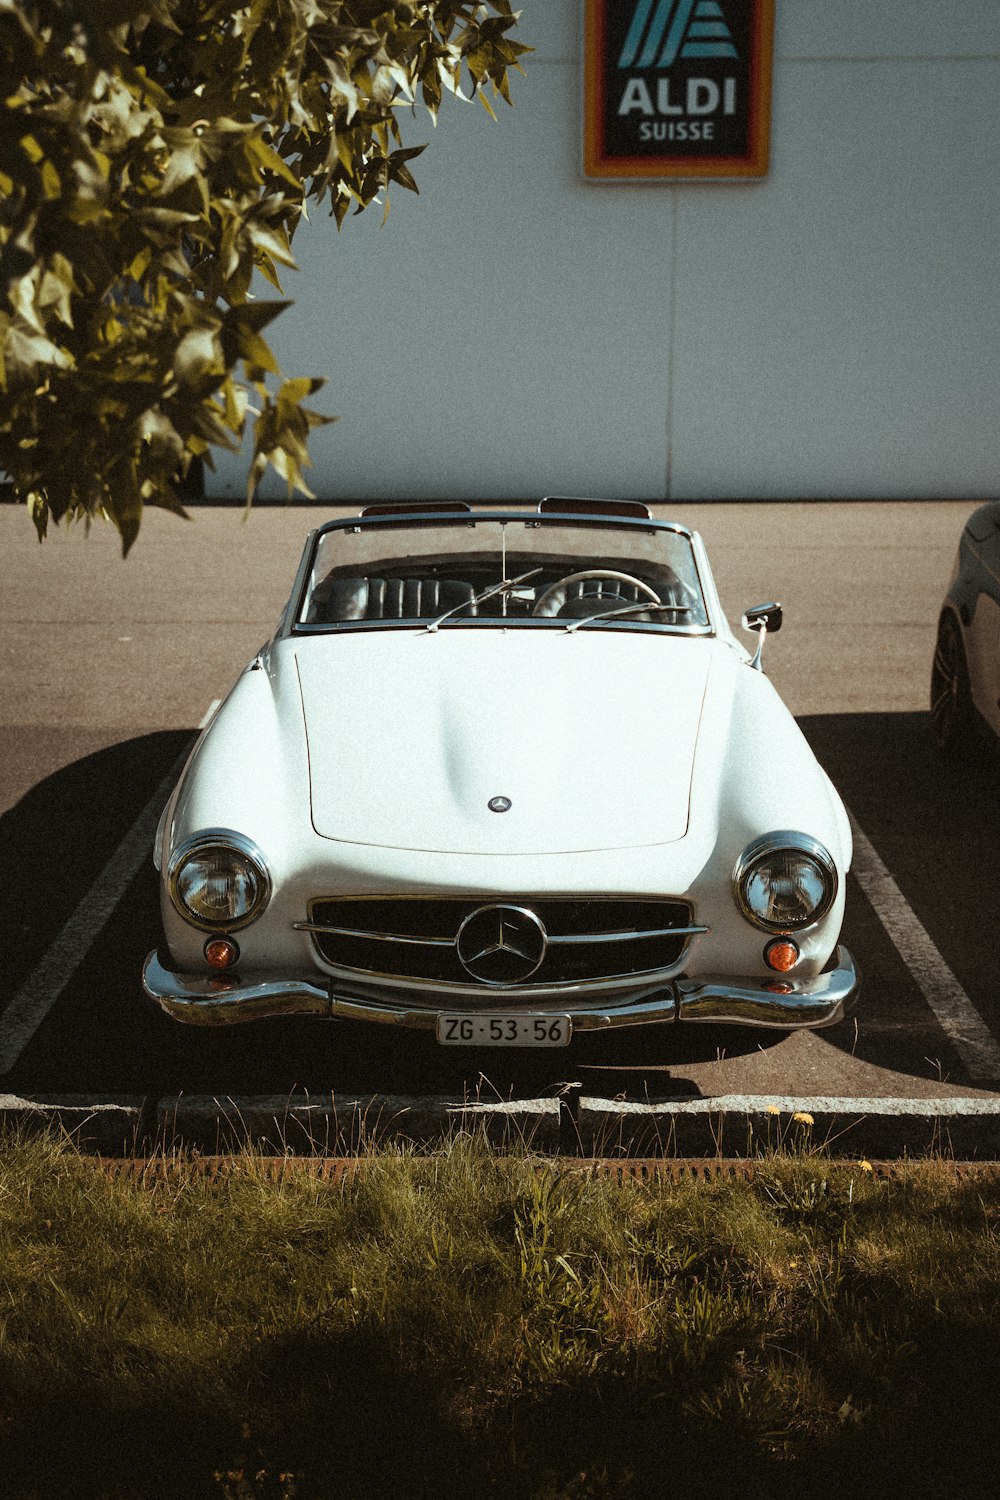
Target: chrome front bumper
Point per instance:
(210, 1000)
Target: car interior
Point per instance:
(560, 589)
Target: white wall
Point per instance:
(830, 331)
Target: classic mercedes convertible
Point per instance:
(506, 775)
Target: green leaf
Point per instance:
(198, 358)
(22, 353)
(39, 512)
(267, 160)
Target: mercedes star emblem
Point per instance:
(499, 804)
(501, 944)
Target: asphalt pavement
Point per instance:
(111, 666)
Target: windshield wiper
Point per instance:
(628, 609)
(503, 587)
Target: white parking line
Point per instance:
(952, 1008)
(42, 989)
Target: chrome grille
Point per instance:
(414, 938)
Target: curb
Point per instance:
(348, 1123)
(966, 1128)
(92, 1123)
(740, 1125)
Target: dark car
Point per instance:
(965, 677)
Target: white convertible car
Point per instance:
(505, 775)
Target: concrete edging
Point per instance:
(93, 1123)
(965, 1127)
(731, 1124)
(350, 1123)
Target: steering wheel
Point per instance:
(563, 583)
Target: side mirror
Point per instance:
(768, 616)
(764, 619)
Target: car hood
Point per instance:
(589, 735)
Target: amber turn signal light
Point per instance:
(221, 953)
(781, 955)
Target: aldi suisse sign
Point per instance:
(677, 88)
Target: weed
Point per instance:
(468, 1320)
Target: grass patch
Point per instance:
(468, 1321)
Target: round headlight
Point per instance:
(219, 880)
(785, 881)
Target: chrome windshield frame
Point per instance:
(422, 518)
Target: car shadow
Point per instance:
(55, 841)
(935, 825)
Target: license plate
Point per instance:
(478, 1030)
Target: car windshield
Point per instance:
(476, 570)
